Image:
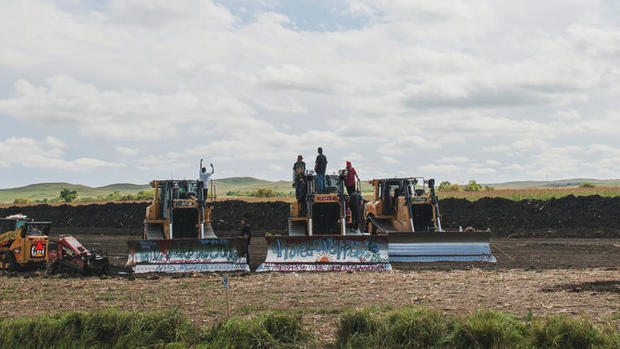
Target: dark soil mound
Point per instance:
(226, 215)
(570, 216)
(583, 216)
(270, 216)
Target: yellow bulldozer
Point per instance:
(23, 242)
(407, 210)
(323, 234)
(178, 235)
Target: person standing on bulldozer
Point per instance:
(247, 235)
(299, 181)
(349, 179)
(320, 165)
(205, 179)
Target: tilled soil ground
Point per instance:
(322, 297)
(541, 276)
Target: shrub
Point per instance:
(472, 186)
(586, 185)
(67, 195)
(563, 332)
(488, 329)
(263, 193)
(22, 201)
(416, 328)
(488, 188)
(355, 329)
(443, 186)
(264, 331)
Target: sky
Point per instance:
(108, 91)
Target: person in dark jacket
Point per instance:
(247, 235)
(299, 182)
(320, 165)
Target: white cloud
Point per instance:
(530, 144)
(127, 150)
(390, 160)
(497, 148)
(514, 167)
(454, 159)
(481, 170)
(492, 163)
(432, 168)
(31, 153)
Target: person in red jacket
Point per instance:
(349, 179)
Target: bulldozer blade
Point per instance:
(188, 255)
(445, 246)
(326, 253)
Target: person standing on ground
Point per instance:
(247, 235)
(205, 179)
(355, 201)
(299, 181)
(320, 165)
(349, 179)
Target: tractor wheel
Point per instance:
(52, 268)
(8, 261)
(4, 261)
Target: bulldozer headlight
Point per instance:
(17, 250)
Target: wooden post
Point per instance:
(226, 287)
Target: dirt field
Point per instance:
(541, 276)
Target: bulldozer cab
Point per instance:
(407, 204)
(325, 213)
(180, 209)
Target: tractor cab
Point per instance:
(22, 241)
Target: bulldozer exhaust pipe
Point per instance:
(202, 230)
(310, 226)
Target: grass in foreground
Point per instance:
(116, 329)
(370, 328)
(423, 328)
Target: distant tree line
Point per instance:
(471, 186)
(66, 195)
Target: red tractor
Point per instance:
(66, 255)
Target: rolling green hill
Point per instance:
(236, 185)
(250, 184)
(48, 191)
